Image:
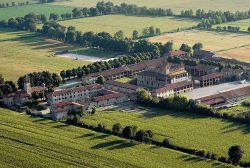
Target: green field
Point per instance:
(176, 5)
(182, 129)
(114, 23)
(23, 52)
(125, 79)
(35, 142)
(6, 13)
(243, 24)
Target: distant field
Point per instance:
(27, 141)
(22, 52)
(243, 24)
(6, 13)
(114, 23)
(176, 5)
(182, 129)
(226, 44)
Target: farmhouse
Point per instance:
(203, 54)
(173, 89)
(23, 96)
(226, 99)
(61, 110)
(162, 75)
(82, 93)
(177, 53)
(124, 71)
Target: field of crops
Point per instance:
(243, 24)
(22, 52)
(114, 23)
(35, 142)
(182, 129)
(6, 13)
(230, 45)
(177, 5)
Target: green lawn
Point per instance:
(6, 13)
(176, 5)
(243, 24)
(114, 23)
(35, 142)
(182, 129)
(125, 79)
(23, 52)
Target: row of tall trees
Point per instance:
(217, 17)
(6, 87)
(115, 63)
(38, 78)
(228, 28)
(28, 22)
(104, 40)
(12, 4)
(106, 8)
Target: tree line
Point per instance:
(6, 87)
(12, 4)
(133, 133)
(38, 78)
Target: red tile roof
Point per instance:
(173, 86)
(38, 89)
(122, 85)
(209, 76)
(63, 104)
(241, 92)
(75, 89)
(109, 96)
(18, 94)
(177, 53)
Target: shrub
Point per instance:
(101, 127)
(165, 142)
(116, 129)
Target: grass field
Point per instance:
(114, 23)
(125, 79)
(35, 142)
(6, 13)
(229, 45)
(176, 5)
(22, 52)
(182, 129)
(243, 24)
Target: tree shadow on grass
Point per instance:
(236, 126)
(85, 136)
(100, 136)
(60, 126)
(107, 144)
(195, 159)
(114, 145)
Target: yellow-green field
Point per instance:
(176, 5)
(27, 141)
(182, 129)
(229, 45)
(243, 24)
(114, 23)
(23, 52)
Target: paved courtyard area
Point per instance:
(211, 90)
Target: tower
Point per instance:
(27, 85)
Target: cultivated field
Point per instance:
(230, 45)
(182, 129)
(176, 5)
(243, 24)
(6, 13)
(23, 52)
(114, 23)
(35, 142)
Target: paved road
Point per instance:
(211, 90)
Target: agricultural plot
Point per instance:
(176, 5)
(114, 23)
(23, 52)
(35, 142)
(182, 129)
(225, 44)
(243, 24)
(6, 13)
